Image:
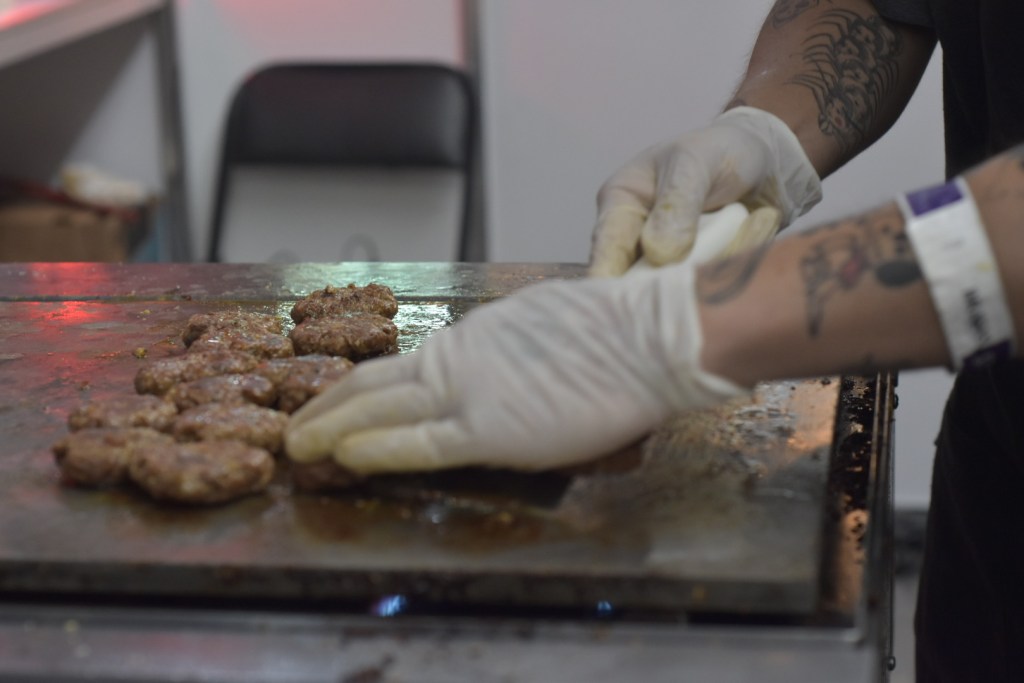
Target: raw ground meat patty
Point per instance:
(224, 389)
(202, 472)
(130, 410)
(255, 324)
(256, 426)
(331, 301)
(325, 475)
(354, 336)
(300, 379)
(161, 376)
(101, 456)
(259, 344)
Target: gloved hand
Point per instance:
(556, 374)
(650, 208)
(726, 232)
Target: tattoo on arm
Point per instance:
(838, 262)
(724, 280)
(785, 11)
(852, 64)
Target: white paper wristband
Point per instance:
(954, 254)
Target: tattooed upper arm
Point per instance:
(851, 66)
(785, 11)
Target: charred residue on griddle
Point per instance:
(328, 518)
(460, 522)
(855, 444)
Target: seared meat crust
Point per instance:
(332, 301)
(256, 426)
(204, 472)
(161, 376)
(101, 456)
(354, 336)
(253, 324)
(301, 378)
(130, 410)
(223, 389)
(325, 475)
(259, 344)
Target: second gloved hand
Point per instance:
(650, 208)
(556, 374)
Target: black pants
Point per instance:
(970, 606)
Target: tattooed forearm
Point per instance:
(838, 262)
(785, 11)
(852, 65)
(724, 280)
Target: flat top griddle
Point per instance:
(717, 511)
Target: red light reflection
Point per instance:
(27, 11)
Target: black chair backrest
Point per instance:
(382, 115)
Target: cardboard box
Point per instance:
(38, 230)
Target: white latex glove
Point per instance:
(726, 232)
(650, 208)
(556, 374)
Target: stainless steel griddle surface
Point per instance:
(723, 511)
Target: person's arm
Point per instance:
(836, 72)
(825, 80)
(563, 372)
(850, 296)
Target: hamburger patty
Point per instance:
(259, 344)
(322, 476)
(206, 324)
(332, 301)
(202, 472)
(130, 410)
(301, 378)
(223, 389)
(161, 376)
(101, 456)
(256, 426)
(354, 336)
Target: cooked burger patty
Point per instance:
(202, 472)
(255, 324)
(256, 343)
(223, 389)
(332, 301)
(325, 475)
(354, 336)
(161, 376)
(130, 410)
(100, 456)
(301, 378)
(256, 426)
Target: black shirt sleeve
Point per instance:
(914, 12)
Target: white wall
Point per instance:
(93, 100)
(574, 88)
